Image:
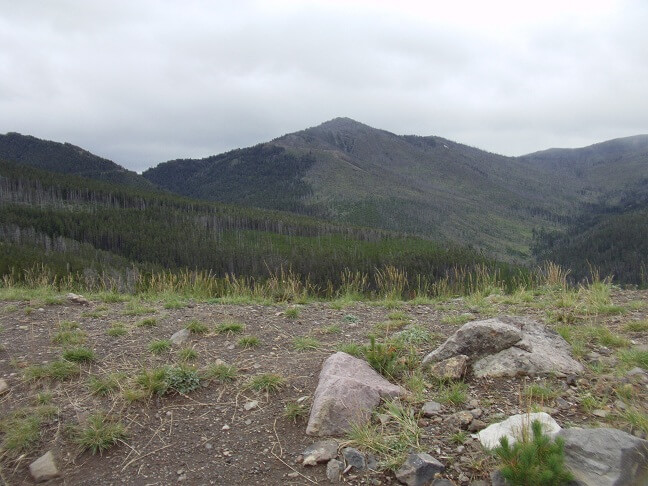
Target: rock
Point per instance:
(355, 458)
(77, 299)
(600, 413)
(180, 336)
(477, 425)
(498, 480)
(4, 387)
(605, 457)
(322, 451)
(450, 369)
(250, 405)
(477, 412)
(44, 468)
(541, 351)
(516, 425)
(334, 470)
(476, 339)
(459, 420)
(431, 408)
(562, 404)
(419, 470)
(348, 390)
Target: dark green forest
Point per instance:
(77, 225)
(610, 236)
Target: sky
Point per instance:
(142, 82)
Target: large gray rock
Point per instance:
(515, 427)
(605, 457)
(44, 468)
(419, 470)
(347, 392)
(179, 337)
(476, 339)
(540, 352)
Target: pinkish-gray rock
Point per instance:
(322, 451)
(77, 299)
(476, 339)
(541, 351)
(4, 387)
(450, 369)
(605, 457)
(44, 468)
(347, 392)
(334, 470)
(419, 470)
(180, 336)
(431, 408)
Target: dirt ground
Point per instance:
(207, 436)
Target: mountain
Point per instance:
(602, 169)
(65, 158)
(349, 172)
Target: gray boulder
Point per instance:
(605, 457)
(540, 352)
(347, 392)
(419, 470)
(44, 468)
(180, 336)
(476, 339)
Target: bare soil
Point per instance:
(206, 436)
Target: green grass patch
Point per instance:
(454, 393)
(99, 433)
(79, 355)
(197, 327)
(541, 392)
(332, 329)
(104, 385)
(69, 338)
(221, 372)
(116, 330)
(457, 319)
(249, 342)
(267, 382)
(294, 411)
(291, 312)
(187, 354)
(634, 357)
(159, 346)
(230, 328)
(137, 309)
(56, 370)
(148, 322)
(636, 326)
(306, 343)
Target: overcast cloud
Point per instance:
(145, 81)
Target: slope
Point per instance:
(349, 172)
(65, 158)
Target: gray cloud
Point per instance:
(147, 81)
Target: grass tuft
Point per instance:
(79, 355)
(197, 327)
(306, 343)
(249, 342)
(267, 382)
(230, 328)
(99, 433)
(221, 372)
(159, 346)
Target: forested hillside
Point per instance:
(73, 225)
(611, 236)
(65, 158)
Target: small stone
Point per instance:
(225, 427)
(355, 458)
(77, 299)
(620, 405)
(180, 336)
(44, 468)
(474, 403)
(453, 368)
(4, 387)
(293, 475)
(248, 422)
(460, 419)
(477, 425)
(208, 446)
(463, 478)
(419, 469)
(601, 413)
(476, 412)
(182, 477)
(250, 405)
(431, 408)
(322, 451)
(334, 470)
(562, 404)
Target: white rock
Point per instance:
(515, 427)
(250, 405)
(44, 468)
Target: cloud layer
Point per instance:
(147, 81)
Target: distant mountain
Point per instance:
(349, 172)
(65, 158)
